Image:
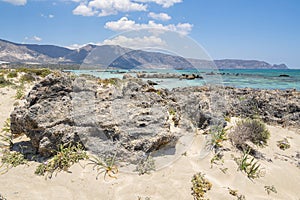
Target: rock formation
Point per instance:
(131, 118)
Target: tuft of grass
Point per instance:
(106, 166)
(65, 157)
(145, 166)
(11, 159)
(252, 130)
(283, 144)
(270, 188)
(20, 91)
(247, 164)
(200, 186)
(6, 136)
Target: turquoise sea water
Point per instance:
(241, 78)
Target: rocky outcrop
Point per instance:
(127, 117)
(277, 107)
(131, 118)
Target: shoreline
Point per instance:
(174, 180)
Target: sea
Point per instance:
(281, 79)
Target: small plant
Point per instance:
(283, 144)
(146, 165)
(12, 159)
(4, 82)
(241, 197)
(12, 74)
(200, 186)
(227, 118)
(217, 159)
(236, 194)
(63, 160)
(224, 170)
(252, 130)
(20, 92)
(6, 137)
(232, 192)
(218, 135)
(172, 111)
(106, 166)
(249, 166)
(270, 189)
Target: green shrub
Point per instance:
(252, 130)
(200, 186)
(27, 78)
(12, 74)
(62, 161)
(4, 82)
(42, 72)
(145, 166)
(20, 92)
(12, 159)
(218, 135)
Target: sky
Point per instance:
(267, 30)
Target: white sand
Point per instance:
(173, 182)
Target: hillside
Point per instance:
(115, 56)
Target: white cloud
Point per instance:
(76, 46)
(84, 10)
(136, 42)
(129, 42)
(47, 16)
(159, 16)
(16, 2)
(163, 3)
(34, 38)
(107, 7)
(124, 24)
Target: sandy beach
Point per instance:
(280, 169)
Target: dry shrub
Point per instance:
(252, 130)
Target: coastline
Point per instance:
(174, 181)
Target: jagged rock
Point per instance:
(129, 118)
(127, 76)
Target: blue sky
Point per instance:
(266, 30)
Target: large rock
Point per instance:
(131, 118)
(127, 117)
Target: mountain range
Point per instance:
(115, 56)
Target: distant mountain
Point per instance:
(115, 56)
(246, 64)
